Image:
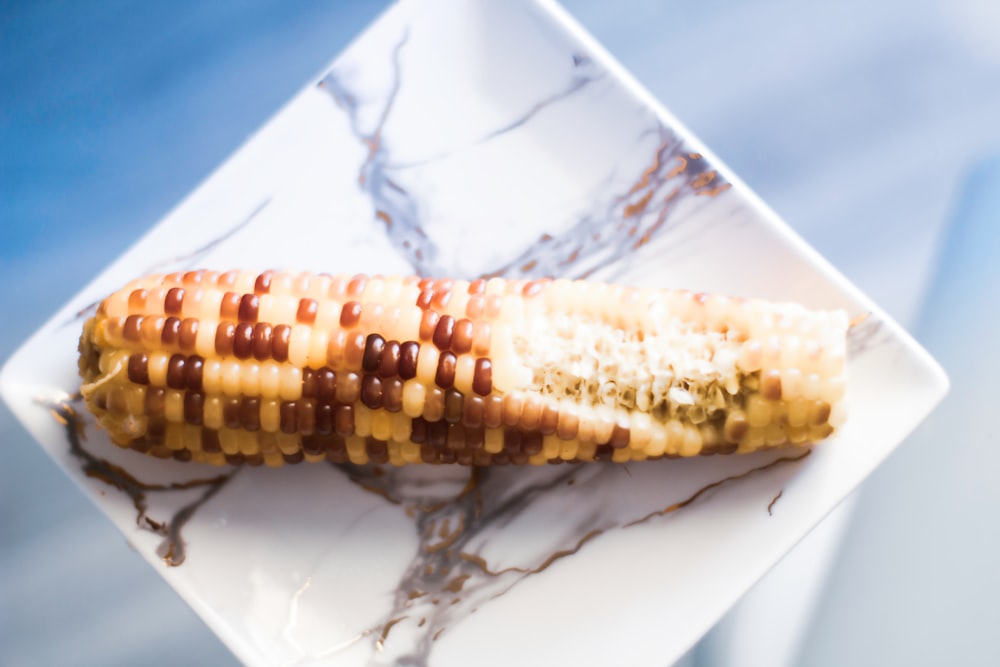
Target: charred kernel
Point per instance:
(531, 443)
(309, 383)
(187, 334)
(445, 376)
(131, 330)
(289, 417)
(174, 301)
(444, 331)
(229, 309)
(437, 433)
(482, 379)
(472, 412)
(603, 452)
(250, 413)
(408, 352)
(428, 324)
(171, 331)
(249, 308)
(307, 417)
(243, 340)
(194, 371)
(388, 362)
(493, 411)
(324, 419)
(392, 394)
(194, 407)
(156, 400)
(348, 388)
(263, 283)
(138, 369)
(350, 314)
(326, 384)
(210, 441)
(512, 440)
(224, 335)
(306, 314)
(452, 406)
(343, 420)
(372, 353)
(461, 340)
(424, 299)
(456, 436)
(231, 412)
(474, 437)
(619, 436)
(418, 431)
(280, 337)
(371, 392)
(550, 419)
(175, 372)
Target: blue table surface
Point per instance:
(857, 121)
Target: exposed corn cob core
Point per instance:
(277, 368)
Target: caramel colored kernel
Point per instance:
(306, 314)
(151, 331)
(452, 406)
(343, 420)
(131, 330)
(428, 324)
(307, 417)
(456, 436)
(619, 436)
(156, 399)
(229, 308)
(472, 413)
(224, 337)
(263, 283)
(493, 411)
(348, 388)
(171, 331)
(173, 301)
(550, 419)
(137, 299)
(187, 334)
(309, 383)
(437, 433)
(461, 341)
(350, 314)
(531, 443)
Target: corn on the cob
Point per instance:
(278, 368)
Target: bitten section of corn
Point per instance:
(274, 368)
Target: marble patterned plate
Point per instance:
(469, 137)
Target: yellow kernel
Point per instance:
(551, 446)
(623, 455)
(250, 379)
(657, 441)
(228, 442)
(381, 424)
(675, 436)
(247, 442)
(691, 444)
(211, 376)
(402, 426)
(270, 379)
(356, 451)
(298, 345)
(231, 378)
(314, 458)
(641, 430)
(568, 449)
(414, 397)
(493, 441)
(273, 459)
(318, 342)
(411, 452)
(774, 435)
(288, 443)
(758, 411)
(465, 371)
(270, 415)
(212, 417)
(173, 408)
(291, 383)
(157, 368)
(362, 420)
(586, 450)
(427, 363)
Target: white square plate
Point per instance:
(464, 137)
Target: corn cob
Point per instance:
(275, 368)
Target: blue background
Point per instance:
(859, 122)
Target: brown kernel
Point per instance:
(261, 341)
(151, 330)
(250, 413)
(392, 394)
(313, 445)
(472, 414)
(437, 433)
(289, 417)
(482, 378)
(531, 413)
(156, 399)
(464, 458)
(444, 331)
(456, 436)
(372, 353)
(194, 372)
(294, 458)
(512, 406)
(175, 372)
(350, 314)
(493, 411)
(348, 388)
(280, 337)
(501, 458)
(821, 412)
(418, 430)
(377, 450)
(138, 369)
(224, 336)
(307, 417)
(131, 330)
(770, 385)
(326, 384)
(434, 405)
(306, 314)
(424, 299)
(603, 452)
(343, 420)
(429, 454)
(619, 436)
(445, 376)
(371, 392)
(171, 331)
(243, 340)
(511, 440)
(194, 405)
(210, 441)
(231, 412)
(569, 423)
(735, 428)
(324, 419)
(519, 458)
(408, 353)
(182, 455)
(309, 383)
(461, 340)
(531, 443)
(173, 301)
(428, 324)
(187, 335)
(452, 406)
(249, 308)
(550, 419)
(474, 438)
(388, 362)
(263, 283)
(441, 299)
(229, 309)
